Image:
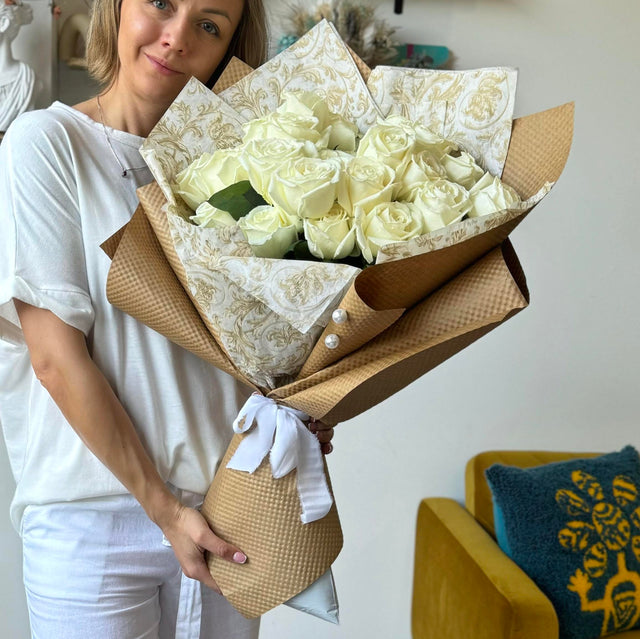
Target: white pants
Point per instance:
(100, 570)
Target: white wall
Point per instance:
(561, 375)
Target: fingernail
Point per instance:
(328, 448)
(239, 558)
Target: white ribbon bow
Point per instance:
(280, 429)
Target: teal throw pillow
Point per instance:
(574, 528)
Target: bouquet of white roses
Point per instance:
(303, 184)
(378, 171)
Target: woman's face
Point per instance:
(162, 43)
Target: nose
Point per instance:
(175, 35)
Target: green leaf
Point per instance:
(238, 199)
(300, 251)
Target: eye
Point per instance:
(210, 27)
(160, 4)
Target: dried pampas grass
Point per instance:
(371, 38)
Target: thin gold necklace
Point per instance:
(113, 151)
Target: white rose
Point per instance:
(421, 167)
(307, 104)
(384, 224)
(209, 174)
(331, 237)
(306, 187)
(388, 143)
(442, 202)
(489, 195)
(342, 134)
(210, 216)
(341, 156)
(462, 169)
(286, 126)
(366, 182)
(262, 157)
(269, 231)
(338, 132)
(425, 139)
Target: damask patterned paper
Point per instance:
(319, 61)
(198, 121)
(267, 313)
(473, 108)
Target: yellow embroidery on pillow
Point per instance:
(606, 534)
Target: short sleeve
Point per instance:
(42, 259)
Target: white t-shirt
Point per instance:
(61, 196)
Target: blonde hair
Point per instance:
(249, 42)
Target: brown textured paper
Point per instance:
(233, 72)
(480, 298)
(363, 324)
(241, 507)
(142, 283)
(466, 282)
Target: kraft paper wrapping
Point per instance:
(406, 316)
(478, 299)
(281, 564)
(465, 296)
(233, 72)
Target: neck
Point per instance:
(126, 112)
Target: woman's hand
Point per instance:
(63, 365)
(324, 433)
(190, 536)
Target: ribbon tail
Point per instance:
(284, 454)
(315, 498)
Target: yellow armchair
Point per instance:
(464, 586)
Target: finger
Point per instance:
(222, 549)
(324, 436)
(320, 425)
(326, 448)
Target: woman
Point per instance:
(111, 421)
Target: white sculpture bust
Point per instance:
(17, 79)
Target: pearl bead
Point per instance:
(331, 341)
(339, 316)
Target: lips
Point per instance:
(162, 66)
